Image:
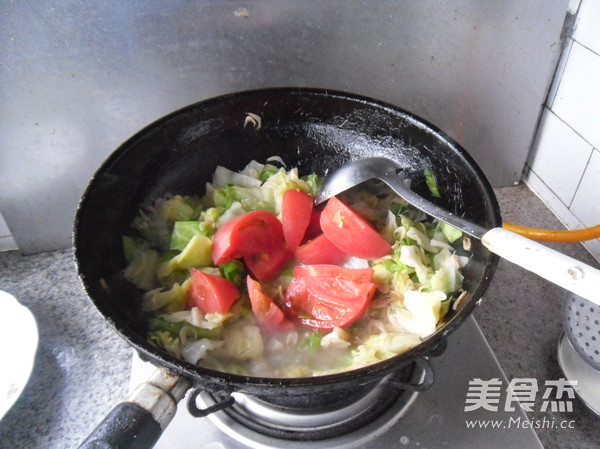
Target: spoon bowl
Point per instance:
(386, 170)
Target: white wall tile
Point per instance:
(562, 212)
(593, 247)
(4, 231)
(586, 204)
(577, 100)
(586, 28)
(8, 244)
(559, 156)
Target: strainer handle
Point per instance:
(562, 270)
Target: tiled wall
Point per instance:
(564, 165)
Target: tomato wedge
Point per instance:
(339, 292)
(296, 212)
(320, 251)
(211, 293)
(255, 232)
(265, 266)
(351, 233)
(269, 316)
(314, 225)
(355, 274)
(325, 302)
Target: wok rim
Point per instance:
(236, 382)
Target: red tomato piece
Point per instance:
(269, 316)
(355, 274)
(339, 292)
(266, 265)
(325, 302)
(211, 293)
(320, 251)
(255, 232)
(314, 225)
(296, 212)
(351, 233)
(296, 302)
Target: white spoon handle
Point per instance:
(558, 268)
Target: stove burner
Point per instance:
(262, 424)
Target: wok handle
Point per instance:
(128, 425)
(562, 270)
(139, 422)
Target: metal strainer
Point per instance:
(581, 319)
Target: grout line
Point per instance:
(587, 48)
(572, 129)
(559, 71)
(587, 164)
(545, 200)
(570, 221)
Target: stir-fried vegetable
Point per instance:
(250, 279)
(432, 183)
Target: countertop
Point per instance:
(82, 367)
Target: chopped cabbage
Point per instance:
(170, 300)
(196, 350)
(178, 208)
(154, 223)
(176, 328)
(383, 346)
(311, 342)
(197, 318)
(447, 277)
(208, 221)
(141, 271)
(390, 227)
(337, 337)
(224, 177)
(432, 183)
(413, 256)
(233, 211)
(252, 189)
(424, 309)
(195, 254)
(224, 197)
(243, 343)
(183, 231)
(234, 271)
(451, 233)
(182, 339)
(166, 341)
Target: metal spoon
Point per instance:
(553, 266)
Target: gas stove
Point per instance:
(435, 418)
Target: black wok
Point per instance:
(315, 130)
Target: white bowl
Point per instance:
(18, 344)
